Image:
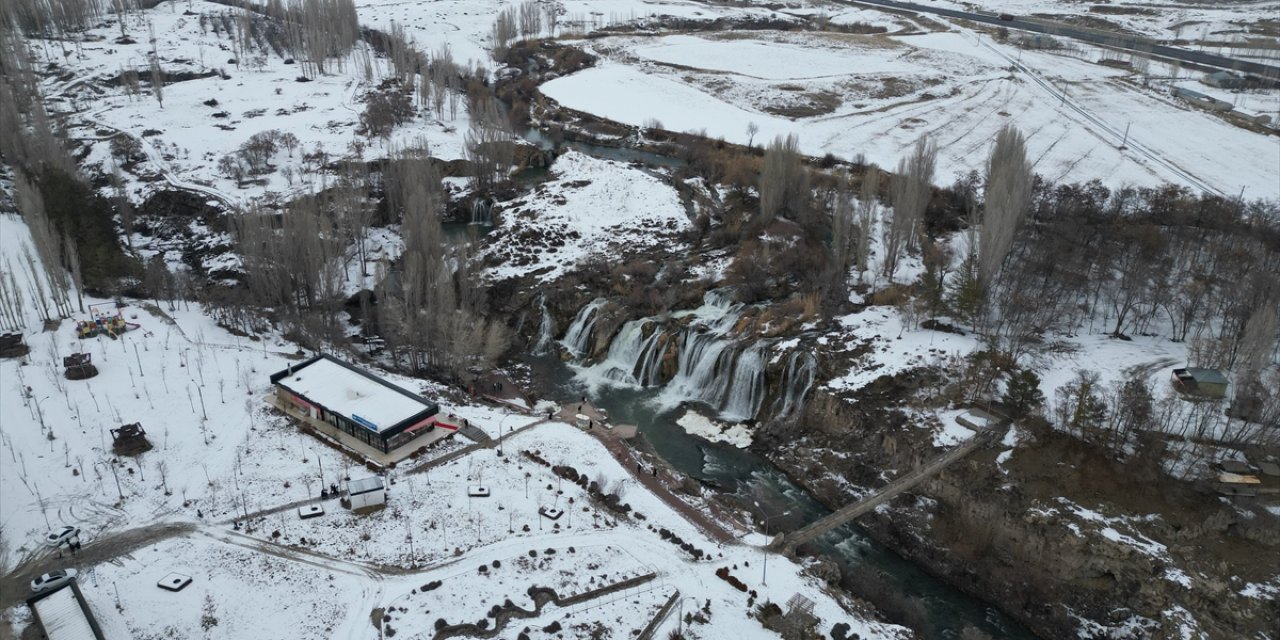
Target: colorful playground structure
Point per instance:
(104, 324)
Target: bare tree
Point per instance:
(1008, 195)
(504, 30)
(1257, 345)
(868, 202)
(784, 181)
(909, 191)
(157, 81)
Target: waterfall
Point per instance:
(746, 389)
(630, 352)
(704, 360)
(481, 212)
(797, 379)
(578, 338)
(714, 366)
(650, 372)
(546, 330)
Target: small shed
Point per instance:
(367, 492)
(1208, 383)
(63, 614)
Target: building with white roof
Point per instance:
(63, 614)
(381, 414)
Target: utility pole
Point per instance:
(1125, 142)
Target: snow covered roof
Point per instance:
(354, 393)
(364, 485)
(1207, 376)
(63, 617)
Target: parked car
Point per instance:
(1006, 16)
(59, 537)
(53, 580)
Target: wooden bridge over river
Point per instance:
(787, 543)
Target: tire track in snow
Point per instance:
(1103, 131)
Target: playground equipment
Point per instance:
(79, 366)
(12, 346)
(130, 440)
(104, 324)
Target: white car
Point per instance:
(52, 580)
(59, 537)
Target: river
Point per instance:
(785, 505)
(752, 479)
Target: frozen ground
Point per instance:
(876, 95)
(738, 435)
(219, 454)
(186, 136)
(893, 347)
(465, 27)
(1192, 20)
(590, 208)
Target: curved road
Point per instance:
(1142, 45)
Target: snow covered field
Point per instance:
(204, 116)
(1194, 20)
(219, 454)
(876, 95)
(591, 207)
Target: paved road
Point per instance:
(1121, 41)
(851, 512)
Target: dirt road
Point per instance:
(15, 587)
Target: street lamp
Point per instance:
(321, 464)
(764, 549)
(501, 424)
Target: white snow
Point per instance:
(592, 207)
(949, 432)
(62, 617)
(957, 86)
(1174, 574)
(198, 391)
(738, 435)
(1262, 590)
(1109, 529)
(353, 395)
(895, 348)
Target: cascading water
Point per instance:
(713, 366)
(546, 330)
(650, 373)
(746, 390)
(578, 338)
(481, 212)
(703, 366)
(797, 379)
(629, 353)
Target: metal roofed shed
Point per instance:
(1208, 383)
(367, 492)
(63, 614)
(1236, 466)
(358, 402)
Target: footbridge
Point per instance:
(787, 543)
